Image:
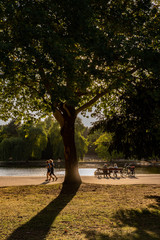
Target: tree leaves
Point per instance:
(74, 52)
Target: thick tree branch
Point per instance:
(99, 95)
(66, 109)
(92, 101)
(58, 116)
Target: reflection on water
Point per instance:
(4, 171)
(40, 171)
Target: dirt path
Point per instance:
(138, 179)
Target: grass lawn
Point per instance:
(41, 212)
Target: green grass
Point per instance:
(128, 212)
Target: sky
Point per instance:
(2, 122)
(87, 121)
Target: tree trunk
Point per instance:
(71, 162)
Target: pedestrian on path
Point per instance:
(52, 174)
(48, 170)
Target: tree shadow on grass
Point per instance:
(157, 198)
(144, 224)
(38, 227)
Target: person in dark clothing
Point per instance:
(48, 170)
(52, 174)
(105, 170)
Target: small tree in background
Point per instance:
(103, 144)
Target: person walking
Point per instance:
(52, 171)
(48, 170)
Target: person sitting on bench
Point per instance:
(105, 170)
(115, 167)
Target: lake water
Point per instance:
(4, 171)
(40, 171)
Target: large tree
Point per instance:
(61, 57)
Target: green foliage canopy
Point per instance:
(38, 141)
(72, 52)
(135, 123)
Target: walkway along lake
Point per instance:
(6, 171)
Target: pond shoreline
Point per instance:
(92, 163)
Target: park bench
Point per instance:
(125, 171)
(107, 172)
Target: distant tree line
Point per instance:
(131, 132)
(32, 141)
